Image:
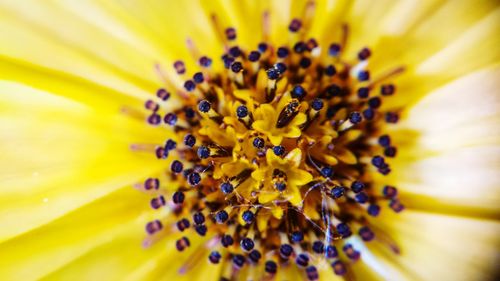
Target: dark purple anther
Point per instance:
(158, 202)
(152, 183)
(153, 227)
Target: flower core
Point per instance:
(275, 157)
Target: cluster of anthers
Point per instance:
(274, 159)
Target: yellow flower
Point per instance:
(233, 150)
(282, 176)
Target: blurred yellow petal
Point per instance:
(52, 246)
(52, 184)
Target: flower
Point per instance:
(267, 155)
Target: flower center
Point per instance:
(275, 156)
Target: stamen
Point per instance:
(275, 154)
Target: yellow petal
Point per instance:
(72, 236)
(61, 174)
(294, 157)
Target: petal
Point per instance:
(294, 157)
(52, 184)
(433, 245)
(72, 236)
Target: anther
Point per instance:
(235, 51)
(227, 240)
(317, 104)
(183, 224)
(368, 114)
(332, 91)
(387, 90)
(262, 47)
(389, 191)
(247, 244)
(161, 152)
(182, 244)
(373, 210)
(390, 151)
(361, 197)
(255, 256)
(363, 76)
(364, 54)
(279, 150)
(298, 92)
(194, 178)
(271, 267)
(281, 67)
(151, 183)
(179, 67)
(189, 140)
(391, 117)
(295, 25)
(189, 85)
(327, 171)
(286, 251)
(204, 106)
(248, 216)
(312, 273)
(198, 218)
(198, 78)
(221, 217)
(355, 117)
(214, 257)
(258, 142)
(170, 144)
(343, 229)
(302, 260)
(351, 252)
(226, 187)
(297, 236)
(170, 119)
(374, 102)
(318, 247)
(230, 33)
(331, 252)
(254, 56)
(384, 140)
(272, 73)
(396, 206)
(334, 50)
(357, 186)
(151, 105)
(305, 62)
(300, 47)
(153, 227)
(158, 202)
(366, 233)
(282, 52)
(337, 192)
(201, 229)
(176, 167)
(363, 92)
(330, 70)
(378, 161)
(205, 61)
(339, 268)
(163, 94)
(178, 197)
(238, 260)
(242, 111)
(236, 67)
(154, 119)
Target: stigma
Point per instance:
(275, 155)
